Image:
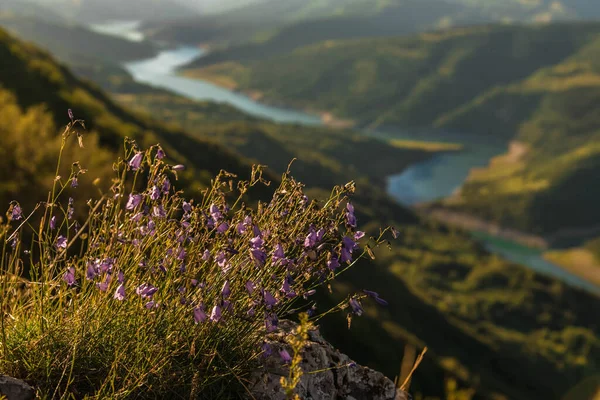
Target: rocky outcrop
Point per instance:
(15, 389)
(328, 374)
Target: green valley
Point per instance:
(538, 86)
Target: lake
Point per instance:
(432, 179)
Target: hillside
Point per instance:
(535, 85)
(491, 325)
(74, 43)
(407, 81)
(268, 25)
(548, 187)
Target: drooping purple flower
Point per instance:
(271, 322)
(53, 223)
(242, 227)
(226, 290)
(359, 235)
(107, 265)
(278, 253)
(250, 286)
(311, 239)
(287, 289)
(256, 242)
(259, 257)
(155, 193)
(285, 356)
(146, 291)
(270, 301)
(320, 234)
(215, 213)
(206, 255)
(69, 276)
(309, 293)
(151, 227)
(350, 218)
(137, 217)
(74, 182)
(215, 315)
(370, 293)
(394, 232)
(181, 254)
(376, 297)
(158, 211)
(120, 293)
(178, 167)
(266, 349)
(151, 304)
(166, 186)
(356, 306)
(120, 277)
(346, 255)
(222, 228)
(61, 242)
(104, 285)
(160, 153)
(133, 201)
(92, 270)
(349, 243)
(186, 207)
(222, 261)
(200, 314)
(136, 161)
(17, 213)
(333, 263)
(70, 114)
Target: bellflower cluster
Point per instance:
(191, 276)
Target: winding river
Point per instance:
(432, 179)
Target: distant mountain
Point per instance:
(88, 11)
(409, 17)
(217, 6)
(28, 8)
(74, 43)
(262, 21)
(540, 10)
